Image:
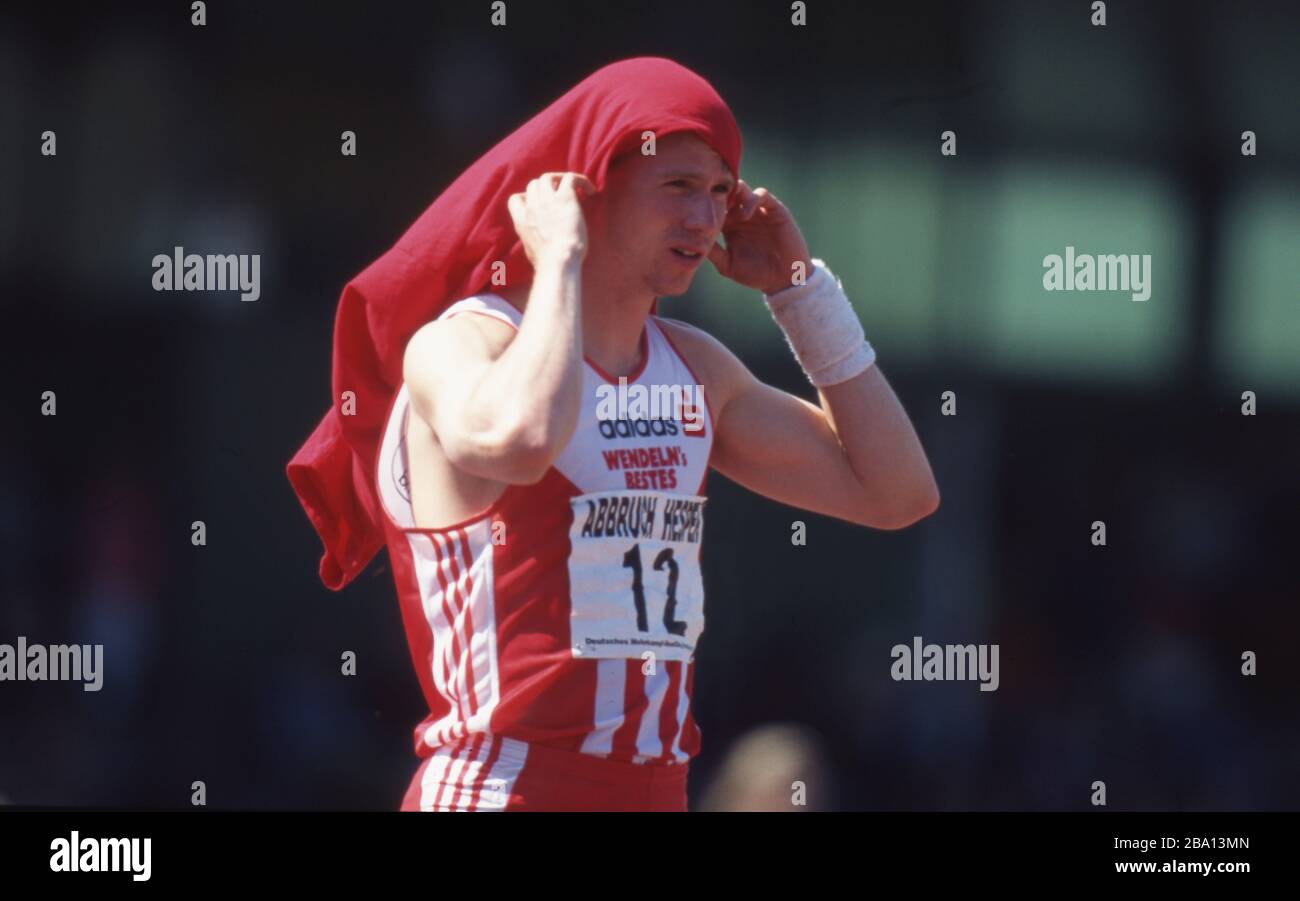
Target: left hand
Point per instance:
(763, 242)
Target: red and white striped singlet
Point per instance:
(554, 634)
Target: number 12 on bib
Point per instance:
(634, 575)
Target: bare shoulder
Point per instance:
(443, 353)
(721, 370)
(458, 339)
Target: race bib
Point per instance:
(634, 574)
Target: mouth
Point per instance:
(688, 255)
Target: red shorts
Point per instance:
(491, 772)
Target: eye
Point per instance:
(722, 189)
(679, 183)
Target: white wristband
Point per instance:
(821, 328)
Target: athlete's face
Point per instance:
(654, 207)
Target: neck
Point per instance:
(613, 319)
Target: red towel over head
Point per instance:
(447, 255)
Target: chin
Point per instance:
(677, 291)
(671, 287)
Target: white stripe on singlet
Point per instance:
(608, 715)
(465, 604)
(458, 776)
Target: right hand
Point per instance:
(548, 216)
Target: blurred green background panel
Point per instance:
(872, 213)
(1257, 335)
(1035, 210)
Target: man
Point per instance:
(544, 542)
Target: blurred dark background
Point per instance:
(1119, 663)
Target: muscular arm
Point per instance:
(856, 457)
(501, 404)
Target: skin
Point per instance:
(494, 407)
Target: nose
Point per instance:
(706, 214)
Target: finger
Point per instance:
(554, 180)
(720, 257)
(769, 208)
(763, 198)
(754, 201)
(543, 182)
(771, 203)
(741, 196)
(577, 182)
